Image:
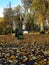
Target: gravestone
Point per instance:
(16, 33)
(20, 30)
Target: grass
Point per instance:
(1, 19)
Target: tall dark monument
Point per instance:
(19, 30)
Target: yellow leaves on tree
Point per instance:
(39, 17)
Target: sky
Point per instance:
(5, 3)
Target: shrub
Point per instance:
(1, 30)
(8, 31)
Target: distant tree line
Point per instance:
(34, 14)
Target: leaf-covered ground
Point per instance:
(28, 38)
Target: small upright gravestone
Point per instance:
(20, 34)
(16, 33)
(19, 31)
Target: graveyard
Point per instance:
(24, 32)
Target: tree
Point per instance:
(40, 7)
(8, 17)
(18, 10)
(17, 14)
(26, 5)
(30, 23)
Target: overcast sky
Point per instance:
(5, 3)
